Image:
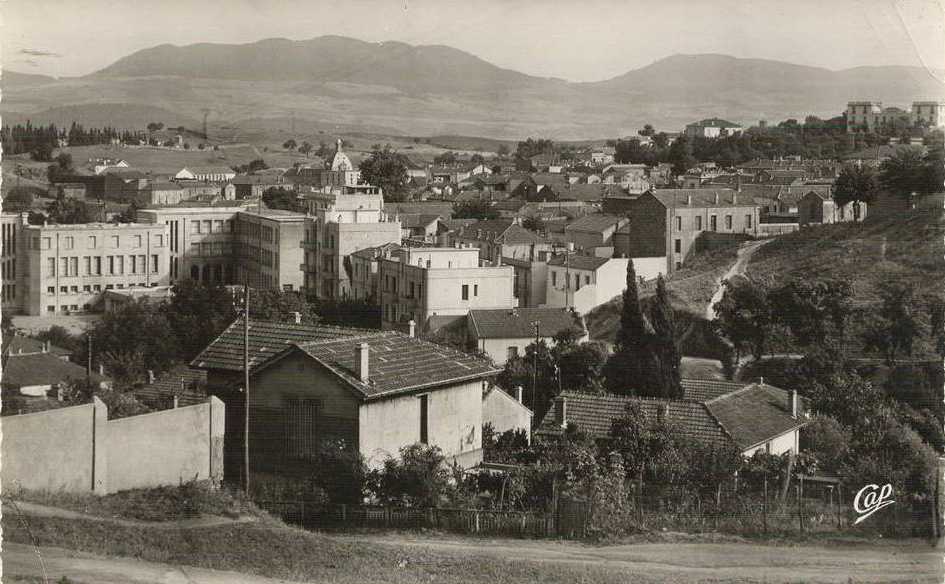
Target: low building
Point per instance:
(251, 186)
(40, 374)
(216, 174)
(712, 128)
(433, 286)
(501, 238)
(364, 271)
(162, 193)
(595, 230)
(818, 209)
(530, 283)
(584, 282)
(504, 334)
(115, 299)
(752, 418)
(506, 413)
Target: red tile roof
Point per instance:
(516, 323)
(756, 413)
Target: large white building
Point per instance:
(870, 116)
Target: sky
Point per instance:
(586, 40)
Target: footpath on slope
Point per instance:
(745, 251)
(37, 510)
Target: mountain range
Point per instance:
(331, 82)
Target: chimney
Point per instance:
(688, 199)
(735, 198)
(362, 353)
(794, 403)
(561, 411)
(176, 401)
(738, 182)
(60, 395)
(101, 369)
(150, 377)
(413, 328)
(716, 197)
(518, 393)
(45, 346)
(663, 413)
(298, 317)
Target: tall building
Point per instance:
(13, 271)
(69, 267)
(871, 116)
(268, 246)
(343, 223)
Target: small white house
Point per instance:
(505, 333)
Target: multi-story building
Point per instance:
(201, 241)
(712, 128)
(343, 223)
(434, 285)
(501, 238)
(233, 245)
(268, 249)
(870, 116)
(583, 282)
(13, 271)
(665, 224)
(71, 266)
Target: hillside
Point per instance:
(903, 247)
(437, 90)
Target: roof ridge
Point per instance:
(740, 390)
(708, 410)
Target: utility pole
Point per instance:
(246, 388)
(88, 365)
(537, 325)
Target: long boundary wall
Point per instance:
(77, 449)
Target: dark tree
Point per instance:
(908, 172)
(69, 211)
(133, 339)
(667, 354)
(680, 155)
(306, 148)
(894, 329)
(628, 369)
(856, 183)
(535, 224)
(198, 314)
(813, 311)
(280, 198)
(445, 159)
(290, 144)
(743, 316)
(481, 210)
(387, 169)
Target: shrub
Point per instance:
(418, 478)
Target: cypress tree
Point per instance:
(667, 377)
(629, 369)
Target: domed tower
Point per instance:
(341, 160)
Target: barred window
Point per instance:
(300, 428)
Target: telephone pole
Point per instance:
(246, 388)
(537, 325)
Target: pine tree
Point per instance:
(664, 345)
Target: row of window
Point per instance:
(94, 288)
(9, 292)
(213, 248)
(8, 269)
(206, 226)
(135, 241)
(713, 222)
(577, 279)
(92, 265)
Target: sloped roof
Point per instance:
(706, 389)
(784, 193)
(517, 323)
(266, 339)
(42, 369)
(578, 262)
(183, 381)
(415, 220)
(252, 179)
(374, 252)
(715, 123)
(594, 415)
(748, 416)
(549, 178)
(397, 363)
(517, 235)
(596, 223)
(701, 198)
(583, 192)
(756, 413)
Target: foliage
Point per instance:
(531, 147)
(580, 367)
(251, 167)
(848, 398)
(69, 211)
(813, 310)
(535, 224)
(282, 198)
(856, 183)
(893, 330)
(120, 404)
(502, 447)
(743, 316)
(680, 155)
(386, 169)
(290, 144)
(535, 373)
(18, 199)
(59, 336)
(279, 306)
(828, 441)
(445, 159)
(129, 215)
(306, 148)
(908, 171)
(348, 312)
(481, 210)
(646, 358)
(937, 324)
(134, 338)
(197, 314)
(417, 478)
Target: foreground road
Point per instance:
(914, 561)
(20, 560)
(665, 562)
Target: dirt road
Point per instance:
(717, 562)
(738, 268)
(22, 561)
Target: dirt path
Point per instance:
(738, 268)
(23, 561)
(723, 562)
(45, 511)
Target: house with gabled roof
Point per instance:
(753, 417)
(712, 128)
(504, 334)
(583, 282)
(594, 230)
(817, 208)
(372, 393)
(498, 238)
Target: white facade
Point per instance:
(585, 290)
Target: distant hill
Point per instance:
(334, 81)
(12, 78)
(116, 115)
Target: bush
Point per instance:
(418, 478)
(828, 441)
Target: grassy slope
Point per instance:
(854, 253)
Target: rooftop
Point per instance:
(596, 223)
(20, 344)
(578, 262)
(517, 322)
(701, 198)
(266, 339)
(102, 226)
(716, 123)
(397, 363)
(42, 369)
